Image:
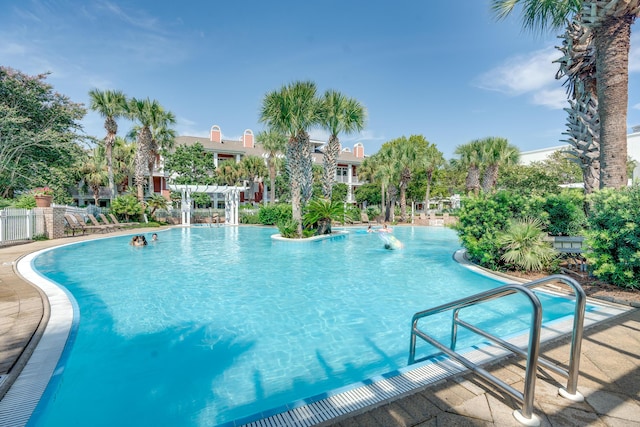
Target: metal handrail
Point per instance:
(532, 353)
(526, 414)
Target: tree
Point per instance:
(273, 143)
(496, 152)
(228, 172)
(190, 164)
(338, 114)
(471, 159)
(322, 211)
(94, 173)
(253, 169)
(429, 159)
(38, 132)
(293, 110)
(111, 105)
(610, 21)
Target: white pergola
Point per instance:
(231, 200)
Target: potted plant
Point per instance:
(43, 196)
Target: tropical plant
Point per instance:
(155, 202)
(274, 214)
(525, 247)
(320, 212)
(566, 213)
(471, 160)
(253, 169)
(293, 110)
(289, 228)
(94, 173)
(496, 152)
(228, 172)
(111, 105)
(338, 114)
(430, 159)
(610, 22)
(127, 205)
(273, 143)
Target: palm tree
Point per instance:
(339, 114)
(470, 159)
(496, 152)
(610, 21)
(253, 169)
(151, 117)
(163, 138)
(404, 157)
(110, 104)
(273, 143)
(430, 159)
(293, 110)
(228, 172)
(94, 173)
(124, 155)
(578, 65)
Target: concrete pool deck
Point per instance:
(609, 374)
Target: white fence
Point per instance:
(20, 224)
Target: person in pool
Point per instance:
(154, 237)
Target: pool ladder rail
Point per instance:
(524, 415)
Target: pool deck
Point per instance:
(609, 368)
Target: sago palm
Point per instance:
(525, 245)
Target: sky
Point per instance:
(446, 70)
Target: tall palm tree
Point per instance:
(228, 172)
(339, 114)
(124, 155)
(429, 159)
(162, 138)
(471, 159)
(404, 157)
(496, 152)
(610, 21)
(273, 143)
(578, 65)
(293, 110)
(144, 111)
(110, 104)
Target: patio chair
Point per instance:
(106, 221)
(115, 221)
(104, 227)
(77, 225)
(364, 217)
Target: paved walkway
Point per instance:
(609, 380)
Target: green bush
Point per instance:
(127, 206)
(248, 217)
(525, 246)
(288, 228)
(613, 236)
(566, 213)
(274, 214)
(25, 201)
(483, 218)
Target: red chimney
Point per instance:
(247, 139)
(216, 134)
(358, 150)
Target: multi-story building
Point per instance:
(224, 150)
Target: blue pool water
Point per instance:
(213, 324)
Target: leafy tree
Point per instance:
(201, 199)
(190, 164)
(94, 173)
(338, 114)
(430, 159)
(529, 179)
(110, 104)
(471, 160)
(339, 193)
(38, 132)
(369, 193)
(275, 213)
(155, 202)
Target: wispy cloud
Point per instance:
(634, 54)
(532, 74)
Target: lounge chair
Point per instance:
(106, 221)
(115, 221)
(364, 217)
(77, 225)
(104, 227)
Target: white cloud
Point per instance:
(11, 48)
(532, 74)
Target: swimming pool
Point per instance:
(213, 324)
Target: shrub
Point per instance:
(525, 247)
(613, 236)
(320, 212)
(274, 214)
(566, 213)
(288, 228)
(127, 205)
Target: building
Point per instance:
(224, 150)
(633, 151)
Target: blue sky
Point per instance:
(446, 70)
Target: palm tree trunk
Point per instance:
(427, 194)
(330, 165)
(612, 64)
(272, 181)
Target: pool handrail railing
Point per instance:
(532, 353)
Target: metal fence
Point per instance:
(18, 225)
